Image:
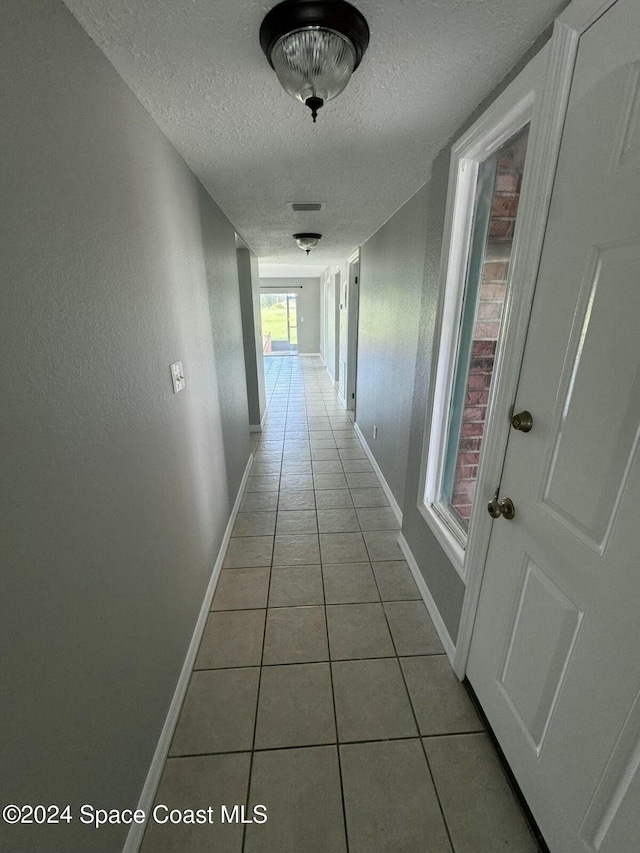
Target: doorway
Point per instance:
(353, 306)
(331, 289)
(279, 323)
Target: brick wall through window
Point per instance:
(493, 290)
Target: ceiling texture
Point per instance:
(197, 67)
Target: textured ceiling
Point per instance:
(197, 67)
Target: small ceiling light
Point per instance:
(307, 241)
(314, 46)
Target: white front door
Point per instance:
(555, 654)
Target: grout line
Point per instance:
(415, 718)
(335, 714)
(324, 743)
(255, 722)
(319, 660)
(314, 660)
(297, 391)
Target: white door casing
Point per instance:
(554, 653)
(332, 325)
(352, 324)
(342, 356)
(544, 144)
(540, 92)
(336, 297)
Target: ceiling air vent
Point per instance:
(305, 206)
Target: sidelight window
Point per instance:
(483, 225)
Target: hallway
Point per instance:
(321, 689)
(405, 629)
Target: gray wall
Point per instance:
(115, 492)
(443, 581)
(252, 336)
(307, 291)
(391, 279)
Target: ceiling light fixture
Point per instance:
(307, 242)
(314, 46)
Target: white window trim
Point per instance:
(511, 111)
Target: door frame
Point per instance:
(337, 283)
(287, 292)
(353, 309)
(513, 110)
(289, 296)
(324, 315)
(544, 147)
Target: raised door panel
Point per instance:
(613, 814)
(541, 640)
(589, 461)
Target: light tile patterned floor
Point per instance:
(320, 689)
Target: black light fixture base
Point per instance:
(314, 105)
(337, 15)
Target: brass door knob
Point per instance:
(504, 508)
(494, 509)
(523, 421)
(507, 508)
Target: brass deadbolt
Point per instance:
(523, 421)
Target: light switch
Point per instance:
(177, 377)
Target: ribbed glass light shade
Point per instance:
(313, 63)
(307, 241)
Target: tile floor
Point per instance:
(320, 689)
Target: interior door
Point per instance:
(555, 655)
(342, 380)
(353, 308)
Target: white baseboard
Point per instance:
(430, 604)
(331, 379)
(310, 354)
(395, 506)
(259, 427)
(134, 838)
